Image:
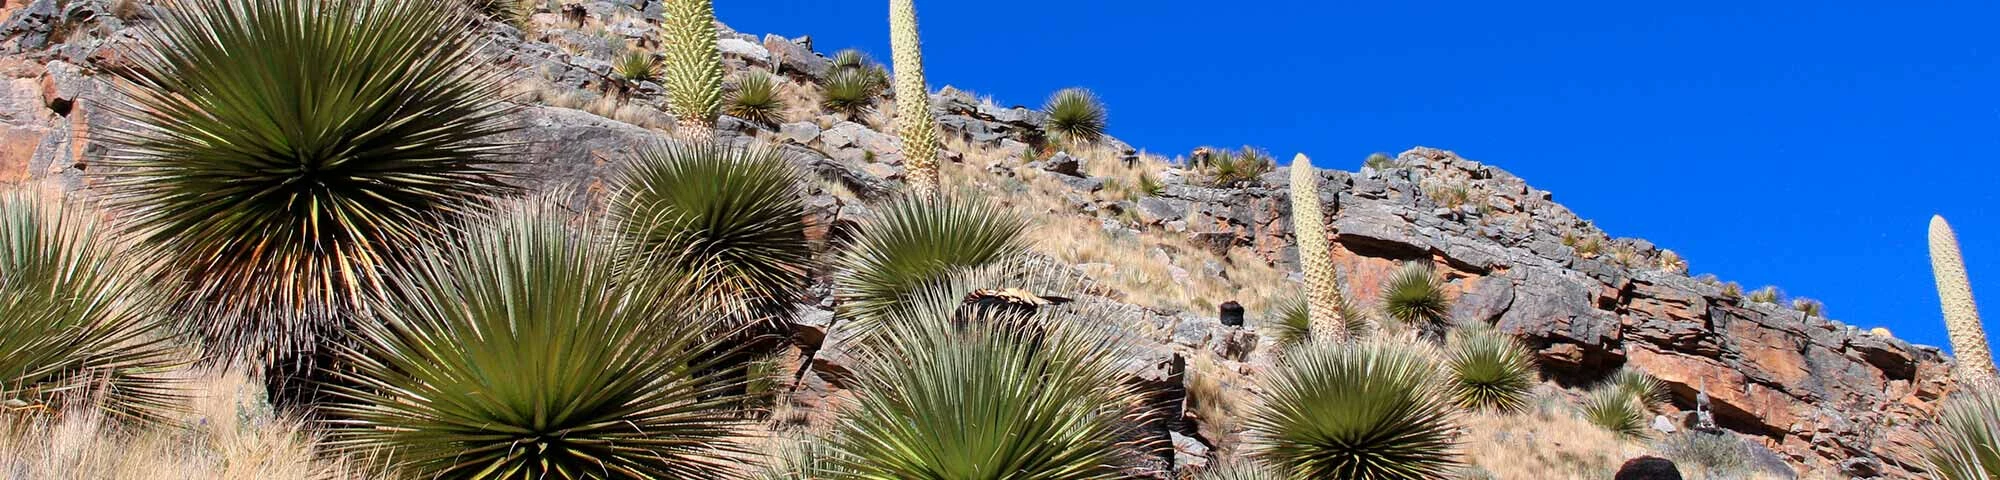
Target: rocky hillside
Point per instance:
(1827, 398)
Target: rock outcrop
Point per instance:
(1829, 397)
(1832, 397)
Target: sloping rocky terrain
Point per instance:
(1827, 398)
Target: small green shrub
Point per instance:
(1151, 186)
(1648, 390)
(729, 215)
(849, 91)
(637, 66)
(756, 99)
(1075, 116)
(915, 242)
(78, 316)
(951, 391)
(1491, 371)
(1415, 297)
(1379, 161)
(522, 347)
(1615, 410)
(1290, 321)
(1229, 168)
(1368, 410)
(869, 73)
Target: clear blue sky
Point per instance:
(1802, 144)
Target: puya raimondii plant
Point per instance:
(79, 318)
(523, 347)
(281, 154)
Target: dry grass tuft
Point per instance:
(1150, 267)
(227, 433)
(1544, 443)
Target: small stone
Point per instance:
(1664, 425)
(1065, 164)
(799, 132)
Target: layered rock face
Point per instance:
(1831, 399)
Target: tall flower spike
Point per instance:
(1961, 315)
(1315, 256)
(694, 67)
(913, 102)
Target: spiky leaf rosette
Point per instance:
(637, 66)
(913, 99)
(1291, 321)
(849, 91)
(991, 393)
(522, 349)
(1616, 410)
(799, 456)
(78, 317)
(733, 214)
(1961, 314)
(1415, 296)
(1964, 442)
(694, 66)
(756, 99)
(1075, 115)
(1648, 390)
(915, 242)
(281, 153)
(1366, 410)
(1491, 371)
(873, 77)
(1323, 294)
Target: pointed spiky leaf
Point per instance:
(1415, 296)
(282, 153)
(522, 349)
(950, 392)
(1617, 411)
(78, 317)
(1964, 442)
(732, 213)
(1491, 371)
(756, 99)
(915, 242)
(1356, 411)
(1075, 115)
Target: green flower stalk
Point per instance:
(913, 100)
(694, 67)
(1315, 255)
(1961, 315)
